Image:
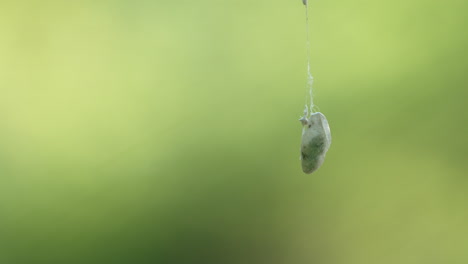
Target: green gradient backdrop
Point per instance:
(166, 132)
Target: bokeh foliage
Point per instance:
(167, 132)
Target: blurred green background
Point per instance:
(167, 132)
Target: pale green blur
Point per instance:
(167, 132)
